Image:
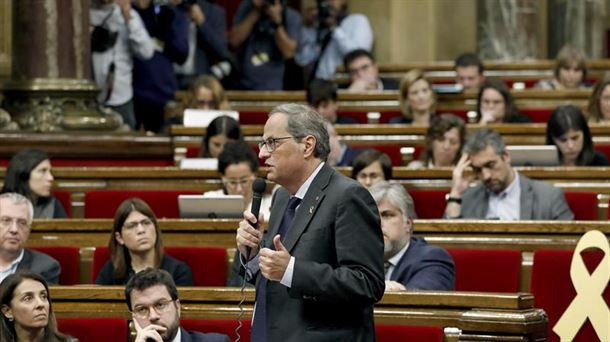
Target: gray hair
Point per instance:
(16, 198)
(396, 194)
(480, 139)
(303, 121)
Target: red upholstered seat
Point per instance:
(222, 326)
(80, 162)
(553, 290)
(103, 203)
(68, 258)
(95, 329)
(429, 204)
(208, 264)
(603, 148)
(486, 270)
(583, 205)
(65, 199)
(539, 115)
(397, 333)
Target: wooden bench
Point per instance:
(478, 316)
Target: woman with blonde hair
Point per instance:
(417, 100)
(570, 70)
(207, 93)
(598, 110)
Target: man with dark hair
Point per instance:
(503, 194)
(152, 299)
(469, 69)
(319, 267)
(411, 264)
(371, 166)
(364, 73)
(322, 96)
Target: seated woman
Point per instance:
(238, 166)
(570, 70)
(599, 103)
(135, 244)
(29, 174)
(27, 312)
(220, 131)
(417, 100)
(207, 93)
(568, 130)
(371, 166)
(495, 104)
(444, 140)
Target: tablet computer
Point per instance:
(533, 155)
(200, 206)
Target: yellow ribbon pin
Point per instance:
(588, 302)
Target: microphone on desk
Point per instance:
(258, 188)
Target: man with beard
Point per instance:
(410, 263)
(503, 194)
(152, 298)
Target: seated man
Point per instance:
(503, 194)
(153, 301)
(364, 73)
(469, 69)
(322, 96)
(16, 214)
(411, 264)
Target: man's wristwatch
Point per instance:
(450, 199)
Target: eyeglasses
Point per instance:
(143, 311)
(271, 143)
(7, 222)
(234, 183)
(134, 224)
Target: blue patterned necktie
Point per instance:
(259, 323)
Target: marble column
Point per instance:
(50, 87)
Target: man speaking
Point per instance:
(319, 267)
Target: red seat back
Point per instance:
(603, 148)
(582, 204)
(68, 258)
(81, 162)
(396, 333)
(538, 115)
(94, 329)
(103, 203)
(553, 291)
(429, 204)
(486, 270)
(208, 264)
(65, 199)
(226, 327)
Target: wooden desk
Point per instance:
(481, 316)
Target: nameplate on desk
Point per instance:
(202, 117)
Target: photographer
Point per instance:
(339, 34)
(118, 35)
(208, 49)
(265, 34)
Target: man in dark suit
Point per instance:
(504, 193)
(411, 264)
(319, 269)
(364, 73)
(16, 213)
(152, 299)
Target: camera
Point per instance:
(103, 39)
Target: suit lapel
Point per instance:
(483, 198)
(275, 219)
(526, 200)
(314, 196)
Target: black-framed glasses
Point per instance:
(143, 311)
(271, 143)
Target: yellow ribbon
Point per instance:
(588, 302)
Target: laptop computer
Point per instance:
(200, 206)
(533, 155)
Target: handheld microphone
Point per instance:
(258, 188)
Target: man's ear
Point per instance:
(310, 145)
(506, 157)
(409, 225)
(178, 307)
(7, 312)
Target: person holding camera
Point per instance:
(339, 34)
(118, 34)
(208, 47)
(265, 34)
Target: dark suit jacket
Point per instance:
(389, 83)
(180, 271)
(211, 38)
(338, 271)
(42, 264)
(539, 201)
(193, 336)
(425, 267)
